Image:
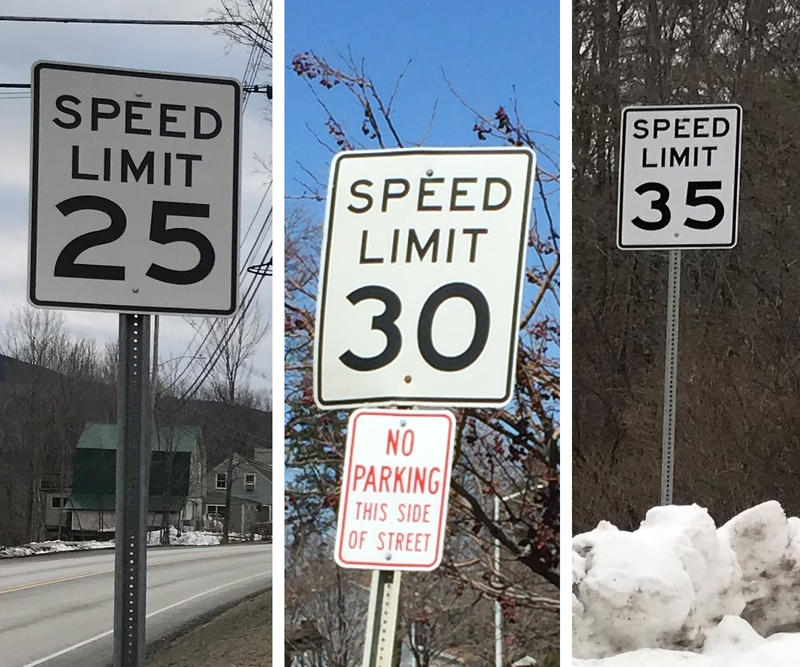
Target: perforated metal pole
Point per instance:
(498, 611)
(670, 377)
(384, 602)
(133, 462)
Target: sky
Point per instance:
(486, 53)
(491, 56)
(181, 49)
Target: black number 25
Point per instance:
(693, 198)
(67, 265)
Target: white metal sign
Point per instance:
(679, 177)
(423, 258)
(134, 190)
(395, 485)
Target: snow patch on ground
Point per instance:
(53, 546)
(186, 538)
(679, 591)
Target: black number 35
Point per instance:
(693, 198)
(67, 265)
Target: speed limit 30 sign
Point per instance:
(679, 177)
(134, 190)
(423, 257)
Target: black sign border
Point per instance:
(483, 401)
(33, 230)
(686, 107)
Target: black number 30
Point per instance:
(385, 323)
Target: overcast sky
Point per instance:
(181, 49)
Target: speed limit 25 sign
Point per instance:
(423, 257)
(679, 177)
(134, 190)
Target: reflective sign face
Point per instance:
(679, 177)
(423, 259)
(134, 190)
(395, 486)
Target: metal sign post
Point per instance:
(678, 189)
(133, 463)
(438, 237)
(670, 376)
(388, 518)
(135, 197)
(384, 603)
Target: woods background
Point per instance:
(738, 396)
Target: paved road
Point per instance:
(58, 610)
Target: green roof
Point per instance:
(91, 501)
(170, 438)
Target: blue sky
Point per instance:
(487, 54)
(491, 56)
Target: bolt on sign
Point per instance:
(134, 190)
(421, 277)
(679, 177)
(395, 487)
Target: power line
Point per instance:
(266, 227)
(265, 89)
(261, 269)
(236, 322)
(66, 19)
(251, 71)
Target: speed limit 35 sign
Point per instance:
(679, 177)
(423, 258)
(134, 190)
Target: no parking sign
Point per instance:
(395, 486)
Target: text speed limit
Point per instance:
(679, 177)
(421, 278)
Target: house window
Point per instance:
(250, 481)
(222, 480)
(216, 510)
(57, 502)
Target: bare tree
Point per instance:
(252, 24)
(234, 346)
(499, 452)
(52, 388)
(738, 372)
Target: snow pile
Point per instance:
(53, 546)
(679, 583)
(767, 545)
(732, 643)
(662, 585)
(186, 538)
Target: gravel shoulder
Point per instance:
(241, 636)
